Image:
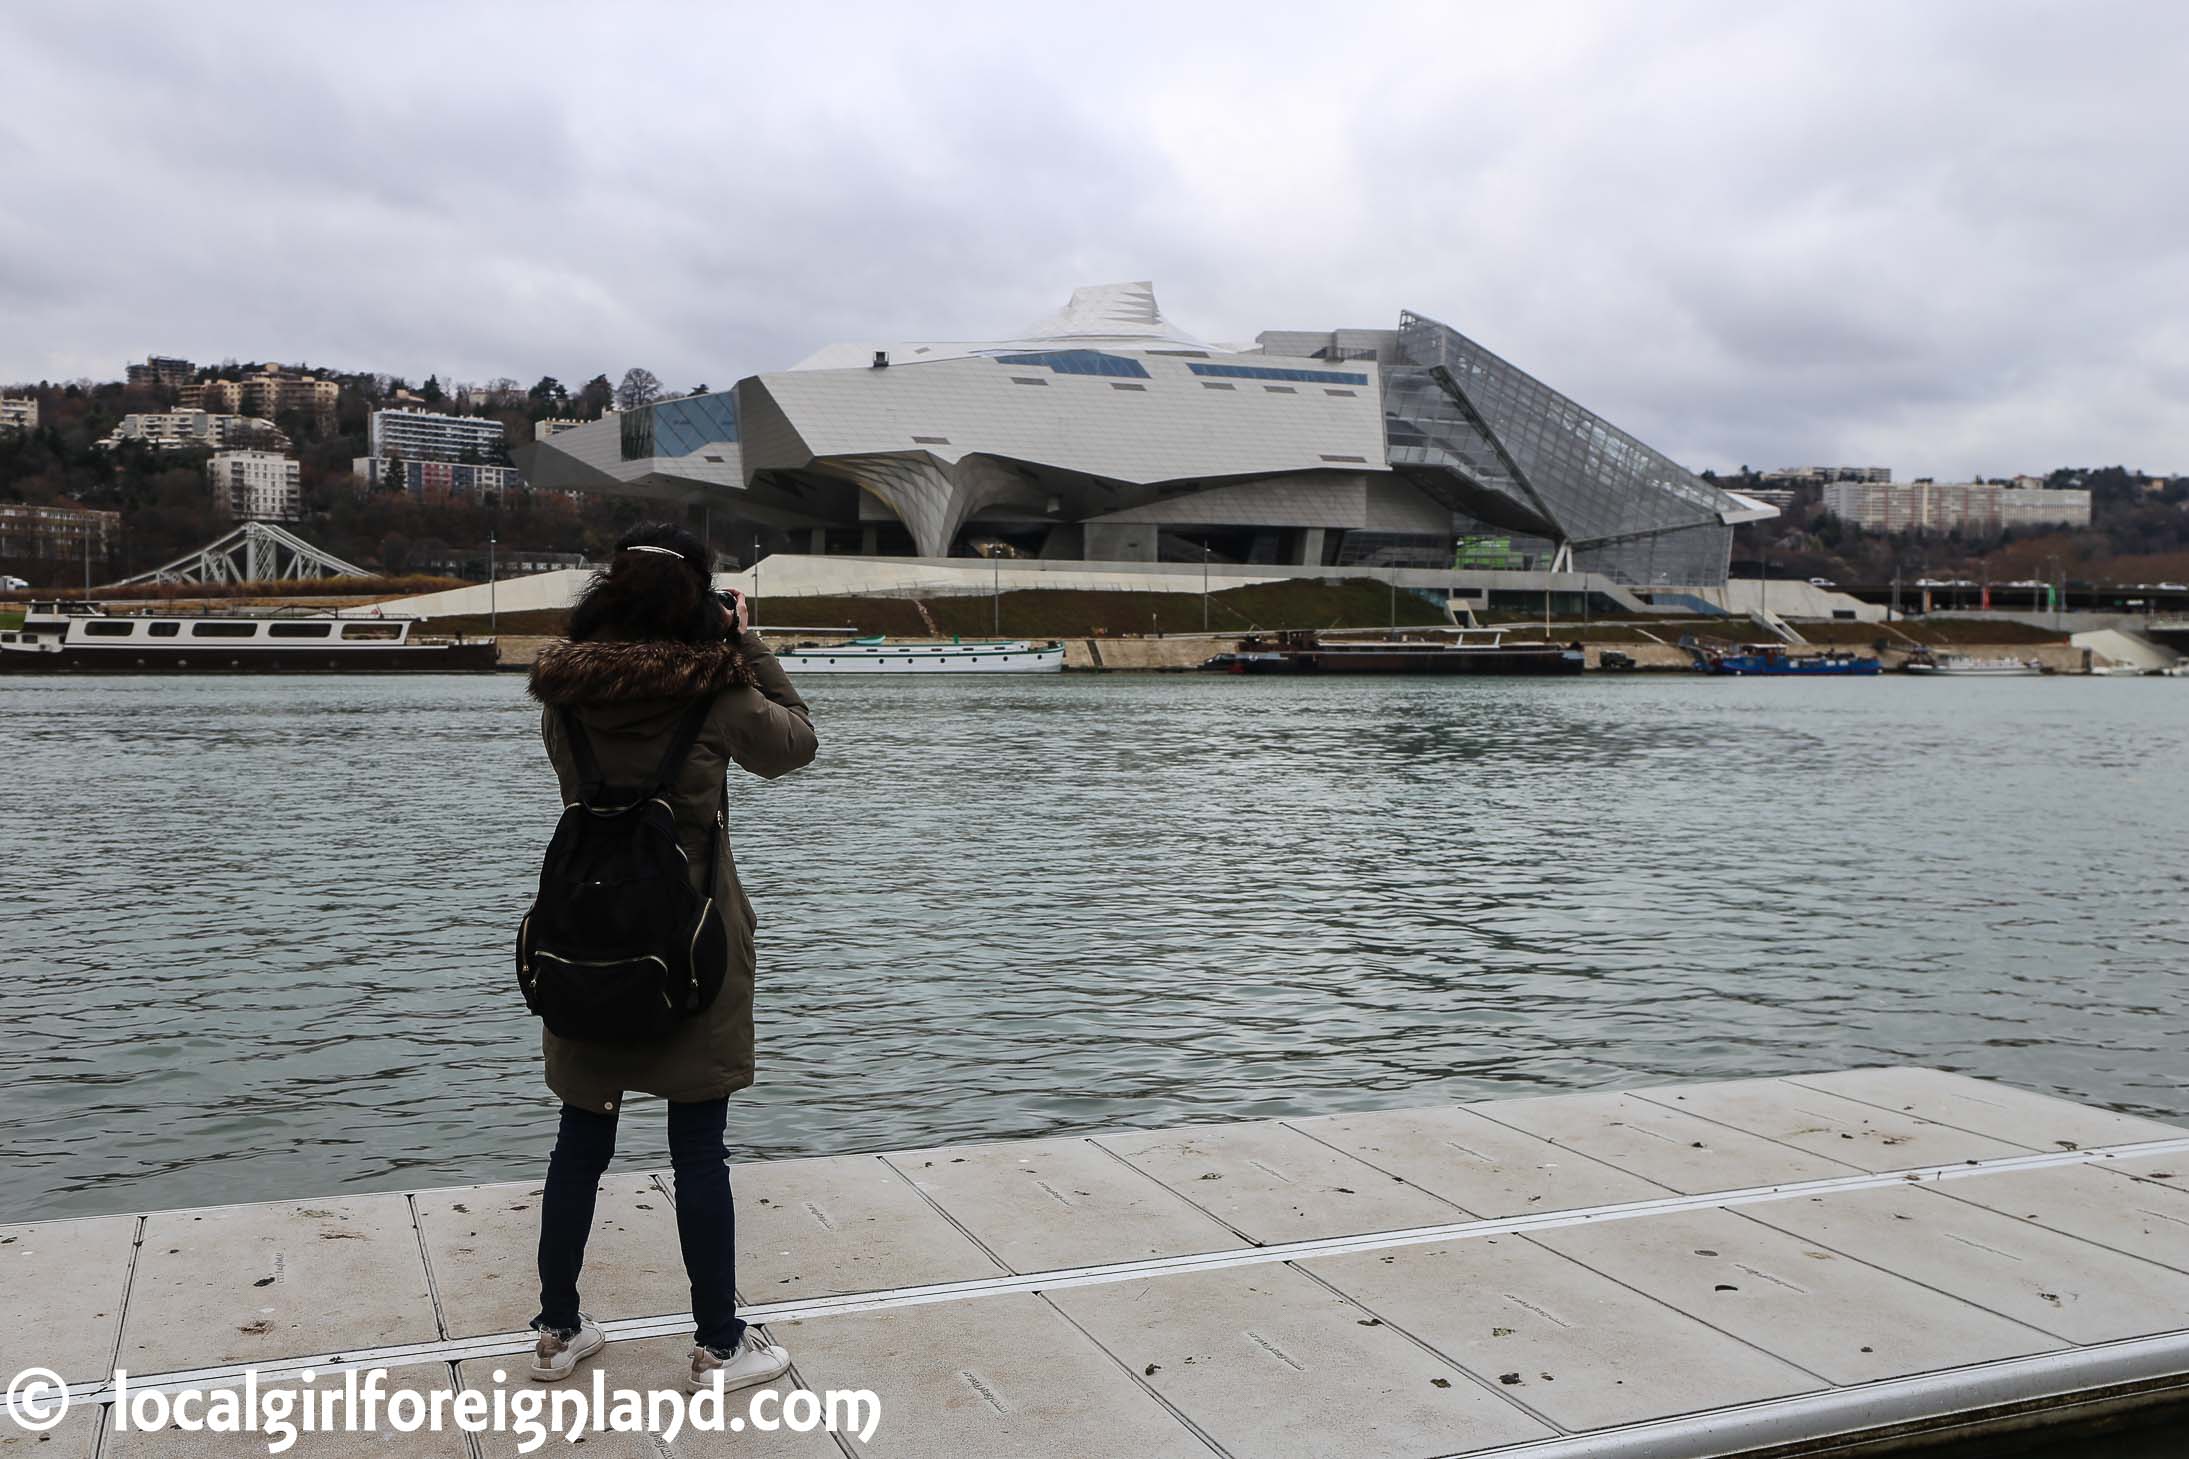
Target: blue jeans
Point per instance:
(705, 1222)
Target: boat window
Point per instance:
(7, 638)
(164, 630)
(351, 632)
(299, 630)
(224, 630)
(110, 628)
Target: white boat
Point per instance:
(880, 656)
(1969, 664)
(73, 636)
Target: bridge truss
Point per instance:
(256, 552)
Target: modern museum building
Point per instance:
(1106, 434)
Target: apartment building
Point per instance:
(270, 392)
(439, 478)
(162, 370)
(417, 435)
(18, 413)
(259, 486)
(1936, 506)
(169, 430)
(56, 533)
(1820, 475)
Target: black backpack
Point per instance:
(618, 948)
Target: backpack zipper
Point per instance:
(691, 954)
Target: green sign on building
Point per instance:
(1488, 554)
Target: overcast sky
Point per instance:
(1949, 238)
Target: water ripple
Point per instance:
(257, 933)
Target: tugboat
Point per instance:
(880, 656)
(1771, 660)
(84, 638)
(1486, 652)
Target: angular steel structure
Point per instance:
(1107, 433)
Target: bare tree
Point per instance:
(640, 387)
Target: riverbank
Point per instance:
(1684, 1269)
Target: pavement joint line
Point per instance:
(850, 1303)
(1477, 1110)
(1907, 1113)
(1724, 1124)
(1864, 1408)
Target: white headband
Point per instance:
(664, 551)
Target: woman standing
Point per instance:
(647, 640)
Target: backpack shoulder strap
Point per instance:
(680, 743)
(581, 751)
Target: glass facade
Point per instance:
(1536, 461)
(1270, 372)
(679, 427)
(1427, 424)
(1079, 362)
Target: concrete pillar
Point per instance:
(870, 540)
(1311, 547)
(820, 542)
(1121, 541)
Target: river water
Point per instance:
(256, 931)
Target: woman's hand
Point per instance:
(733, 610)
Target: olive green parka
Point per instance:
(628, 698)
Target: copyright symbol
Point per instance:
(38, 1399)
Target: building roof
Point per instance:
(1123, 317)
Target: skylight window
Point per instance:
(1080, 362)
(1271, 372)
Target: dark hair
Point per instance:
(651, 595)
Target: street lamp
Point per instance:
(493, 596)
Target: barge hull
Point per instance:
(454, 658)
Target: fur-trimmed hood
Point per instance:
(604, 671)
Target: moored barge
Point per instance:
(880, 656)
(1773, 661)
(1459, 651)
(84, 638)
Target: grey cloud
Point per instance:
(1948, 236)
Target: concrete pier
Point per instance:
(1762, 1266)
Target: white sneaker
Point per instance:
(554, 1357)
(755, 1360)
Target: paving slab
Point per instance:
(1831, 1125)
(1570, 1343)
(1997, 1110)
(256, 1283)
(61, 1288)
(993, 1378)
(850, 1223)
(1271, 1183)
(2145, 1218)
(1273, 1365)
(1487, 1169)
(1842, 1320)
(2167, 1172)
(385, 1441)
(74, 1437)
(652, 1365)
(1043, 1204)
(483, 1243)
(2044, 1279)
(1683, 1151)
